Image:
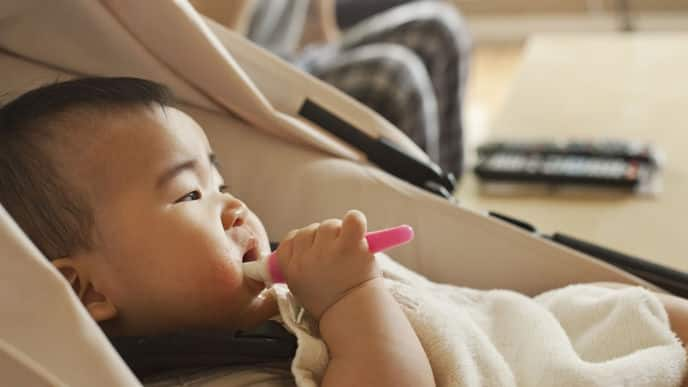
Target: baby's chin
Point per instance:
(261, 308)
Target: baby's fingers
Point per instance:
(354, 227)
(303, 240)
(285, 249)
(329, 231)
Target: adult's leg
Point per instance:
(350, 12)
(438, 35)
(387, 78)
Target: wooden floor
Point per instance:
(596, 92)
(493, 67)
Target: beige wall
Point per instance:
(519, 6)
(486, 7)
(515, 20)
(658, 5)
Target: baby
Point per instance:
(121, 191)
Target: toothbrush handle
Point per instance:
(384, 239)
(377, 241)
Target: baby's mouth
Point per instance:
(251, 253)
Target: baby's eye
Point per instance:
(193, 195)
(223, 188)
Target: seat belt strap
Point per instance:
(383, 152)
(148, 355)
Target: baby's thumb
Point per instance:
(354, 226)
(285, 250)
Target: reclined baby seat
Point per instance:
(251, 104)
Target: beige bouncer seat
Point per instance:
(247, 100)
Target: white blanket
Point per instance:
(581, 335)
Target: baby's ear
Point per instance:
(97, 305)
(70, 270)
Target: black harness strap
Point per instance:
(382, 152)
(149, 355)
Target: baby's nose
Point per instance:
(234, 214)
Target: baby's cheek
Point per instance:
(223, 277)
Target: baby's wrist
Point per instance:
(352, 302)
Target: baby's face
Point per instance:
(170, 239)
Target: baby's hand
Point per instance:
(323, 261)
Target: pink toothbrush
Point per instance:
(267, 270)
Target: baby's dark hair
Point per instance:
(33, 185)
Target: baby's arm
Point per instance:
(370, 341)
